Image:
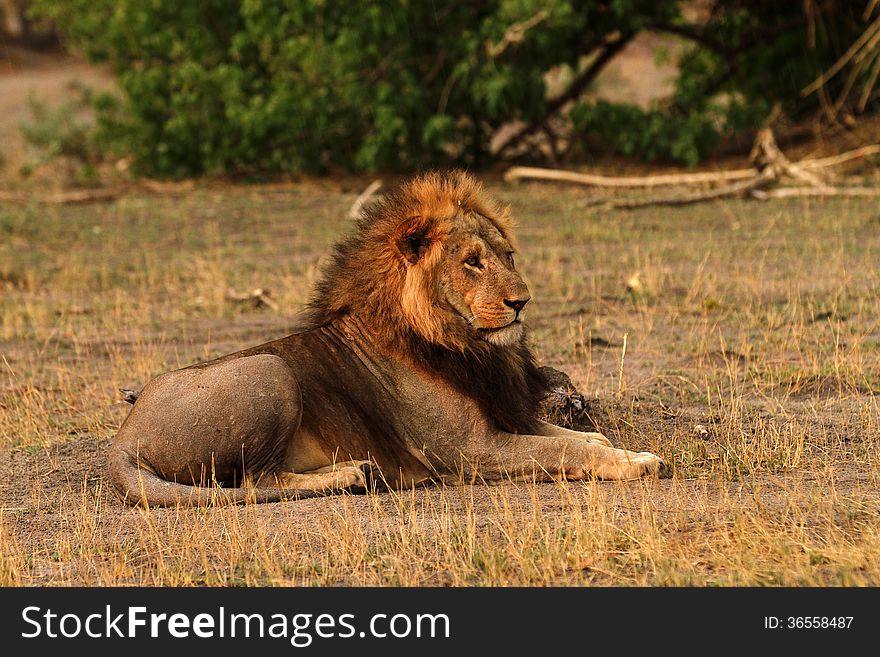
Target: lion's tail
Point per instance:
(140, 485)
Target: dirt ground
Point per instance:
(749, 367)
(739, 340)
(66, 472)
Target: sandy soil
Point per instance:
(38, 489)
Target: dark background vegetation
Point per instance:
(267, 87)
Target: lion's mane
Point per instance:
(373, 277)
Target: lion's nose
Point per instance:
(517, 304)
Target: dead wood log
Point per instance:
(62, 198)
(791, 192)
(770, 166)
(834, 160)
(739, 188)
(661, 180)
(766, 155)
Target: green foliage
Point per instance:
(305, 85)
(749, 58)
(59, 131)
(647, 134)
(267, 86)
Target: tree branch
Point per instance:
(734, 189)
(516, 33)
(575, 89)
(594, 180)
(693, 33)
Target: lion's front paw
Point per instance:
(665, 470)
(656, 466)
(633, 465)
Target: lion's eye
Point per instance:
(472, 261)
(510, 258)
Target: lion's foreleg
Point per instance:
(504, 455)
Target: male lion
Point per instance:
(412, 360)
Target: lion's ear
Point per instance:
(413, 242)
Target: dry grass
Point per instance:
(758, 322)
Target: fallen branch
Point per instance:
(358, 205)
(735, 189)
(790, 192)
(770, 166)
(594, 180)
(766, 155)
(834, 160)
(60, 198)
(798, 169)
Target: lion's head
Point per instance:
(436, 257)
(477, 283)
(430, 272)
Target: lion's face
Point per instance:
(478, 280)
(431, 263)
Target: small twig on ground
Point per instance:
(734, 189)
(258, 297)
(60, 198)
(129, 395)
(358, 205)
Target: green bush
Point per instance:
(306, 85)
(749, 57)
(71, 130)
(647, 134)
(60, 131)
(255, 87)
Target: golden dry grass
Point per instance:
(758, 322)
